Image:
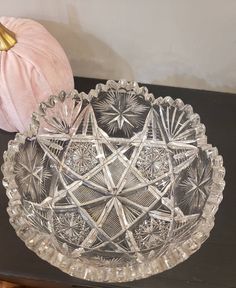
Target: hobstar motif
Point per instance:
(114, 185)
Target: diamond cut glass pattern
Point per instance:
(114, 185)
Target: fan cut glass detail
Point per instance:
(114, 185)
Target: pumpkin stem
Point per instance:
(7, 38)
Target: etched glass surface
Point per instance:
(114, 185)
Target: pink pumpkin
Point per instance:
(31, 69)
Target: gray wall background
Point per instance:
(184, 43)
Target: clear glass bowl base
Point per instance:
(115, 185)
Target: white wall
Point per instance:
(188, 43)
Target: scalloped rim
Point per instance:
(42, 244)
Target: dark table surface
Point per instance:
(213, 266)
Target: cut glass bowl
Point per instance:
(114, 185)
